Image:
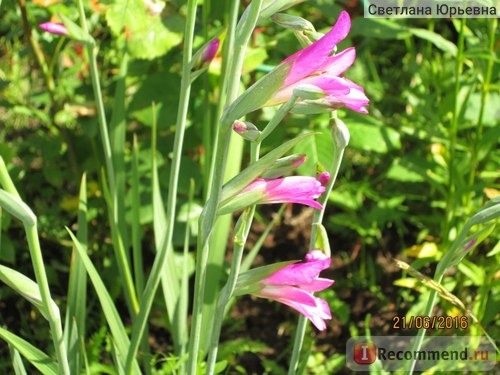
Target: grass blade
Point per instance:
(36, 357)
(120, 338)
(74, 325)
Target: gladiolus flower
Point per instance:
(294, 284)
(54, 28)
(291, 189)
(315, 65)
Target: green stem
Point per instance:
(228, 51)
(119, 248)
(452, 134)
(52, 315)
(209, 215)
(161, 257)
(40, 59)
(278, 117)
(240, 238)
(419, 339)
(484, 97)
(242, 229)
(341, 139)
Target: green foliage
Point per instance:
(416, 169)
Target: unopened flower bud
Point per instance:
(205, 54)
(324, 178)
(67, 28)
(340, 134)
(210, 51)
(285, 166)
(294, 23)
(246, 129)
(56, 28)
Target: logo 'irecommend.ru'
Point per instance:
(393, 352)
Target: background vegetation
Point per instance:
(417, 168)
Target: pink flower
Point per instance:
(291, 189)
(315, 65)
(294, 284)
(54, 28)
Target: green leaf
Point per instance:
(147, 37)
(257, 95)
(372, 137)
(17, 208)
(36, 357)
(378, 29)
(76, 310)
(436, 39)
(120, 338)
(402, 171)
(25, 287)
(319, 149)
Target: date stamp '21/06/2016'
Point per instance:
(430, 322)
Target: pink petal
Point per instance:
(313, 308)
(310, 59)
(331, 85)
(292, 189)
(355, 99)
(337, 64)
(287, 293)
(301, 274)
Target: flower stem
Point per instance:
(452, 134)
(484, 97)
(340, 135)
(209, 215)
(130, 294)
(161, 257)
(240, 238)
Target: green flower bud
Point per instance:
(246, 129)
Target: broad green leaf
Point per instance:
(371, 137)
(254, 58)
(319, 149)
(36, 357)
(147, 37)
(405, 172)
